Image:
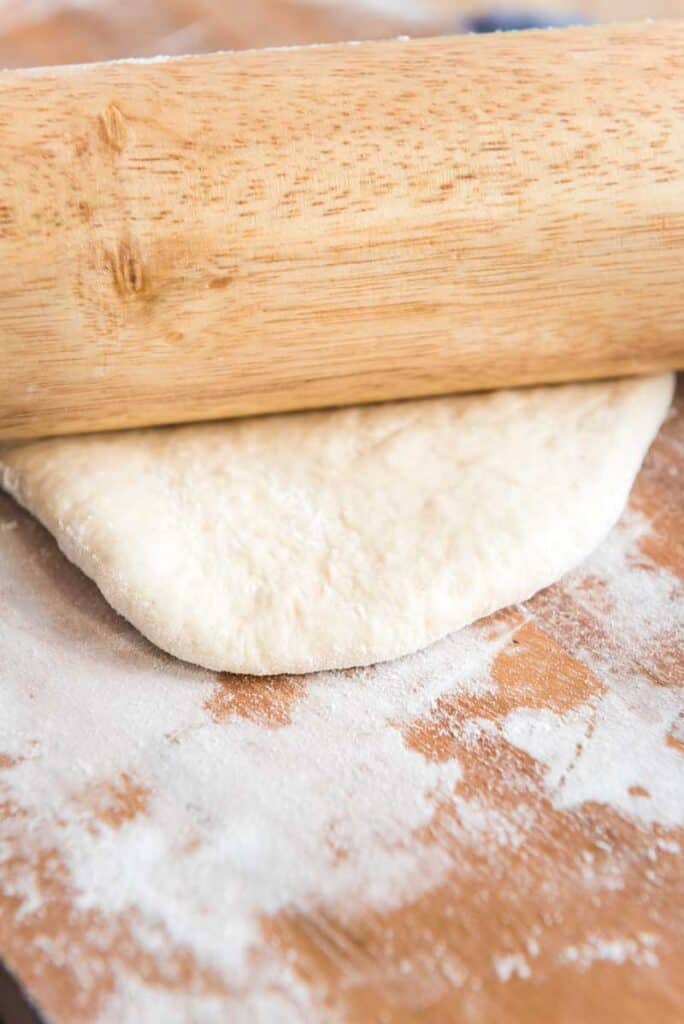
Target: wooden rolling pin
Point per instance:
(247, 232)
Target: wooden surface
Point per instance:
(489, 831)
(328, 225)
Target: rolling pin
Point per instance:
(241, 233)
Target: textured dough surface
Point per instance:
(331, 539)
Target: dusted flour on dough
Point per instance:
(330, 539)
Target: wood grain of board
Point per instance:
(489, 831)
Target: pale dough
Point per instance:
(331, 539)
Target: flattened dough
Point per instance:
(330, 539)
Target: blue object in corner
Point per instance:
(516, 20)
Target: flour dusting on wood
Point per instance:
(501, 810)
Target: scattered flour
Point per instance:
(329, 807)
(617, 742)
(597, 949)
(513, 965)
(601, 752)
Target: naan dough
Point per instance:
(330, 539)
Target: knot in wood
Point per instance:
(128, 270)
(113, 127)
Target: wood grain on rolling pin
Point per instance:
(266, 230)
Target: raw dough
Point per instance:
(331, 539)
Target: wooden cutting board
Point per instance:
(487, 831)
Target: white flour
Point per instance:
(615, 951)
(617, 742)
